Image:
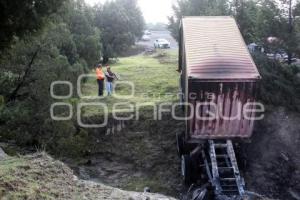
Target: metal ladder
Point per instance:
(223, 170)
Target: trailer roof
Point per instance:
(215, 49)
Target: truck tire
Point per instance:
(180, 144)
(186, 169)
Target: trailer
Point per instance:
(218, 81)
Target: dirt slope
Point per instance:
(143, 154)
(272, 159)
(38, 176)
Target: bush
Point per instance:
(280, 84)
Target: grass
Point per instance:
(139, 184)
(38, 176)
(154, 78)
(11, 184)
(35, 176)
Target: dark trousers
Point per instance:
(100, 87)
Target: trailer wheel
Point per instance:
(180, 144)
(186, 169)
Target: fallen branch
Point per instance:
(13, 95)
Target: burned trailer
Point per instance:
(218, 78)
(218, 83)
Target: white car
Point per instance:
(147, 32)
(162, 44)
(146, 38)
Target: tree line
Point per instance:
(258, 20)
(49, 40)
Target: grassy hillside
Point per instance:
(154, 78)
(39, 176)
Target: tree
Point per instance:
(245, 13)
(291, 39)
(196, 8)
(80, 20)
(58, 51)
(18, 18)
(135, 16)
(121, 23)
(278, 20)
(258, 20)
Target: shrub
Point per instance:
(280, 84)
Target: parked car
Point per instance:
(254, 48)
(146, 38)
(162, 44)
(276, 56)
(286, 60)
(147, 32)
(281, 56)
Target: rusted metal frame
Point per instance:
(197, 140)
(233, 161)
(186, 92)
(244, 88)
(196, 80)
(207, 167)
(227, 161)
(214, 168)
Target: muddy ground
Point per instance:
(142, 154)
(272, 159)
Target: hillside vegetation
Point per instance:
(38, 176)
(154, 78)
(47, 41)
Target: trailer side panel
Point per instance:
(221, 109)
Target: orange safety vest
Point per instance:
(99, 74)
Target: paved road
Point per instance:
(157, 35)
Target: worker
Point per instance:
(100, 79)
(110, 77)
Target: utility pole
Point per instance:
(290, 32)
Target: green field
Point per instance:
(154, 77)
